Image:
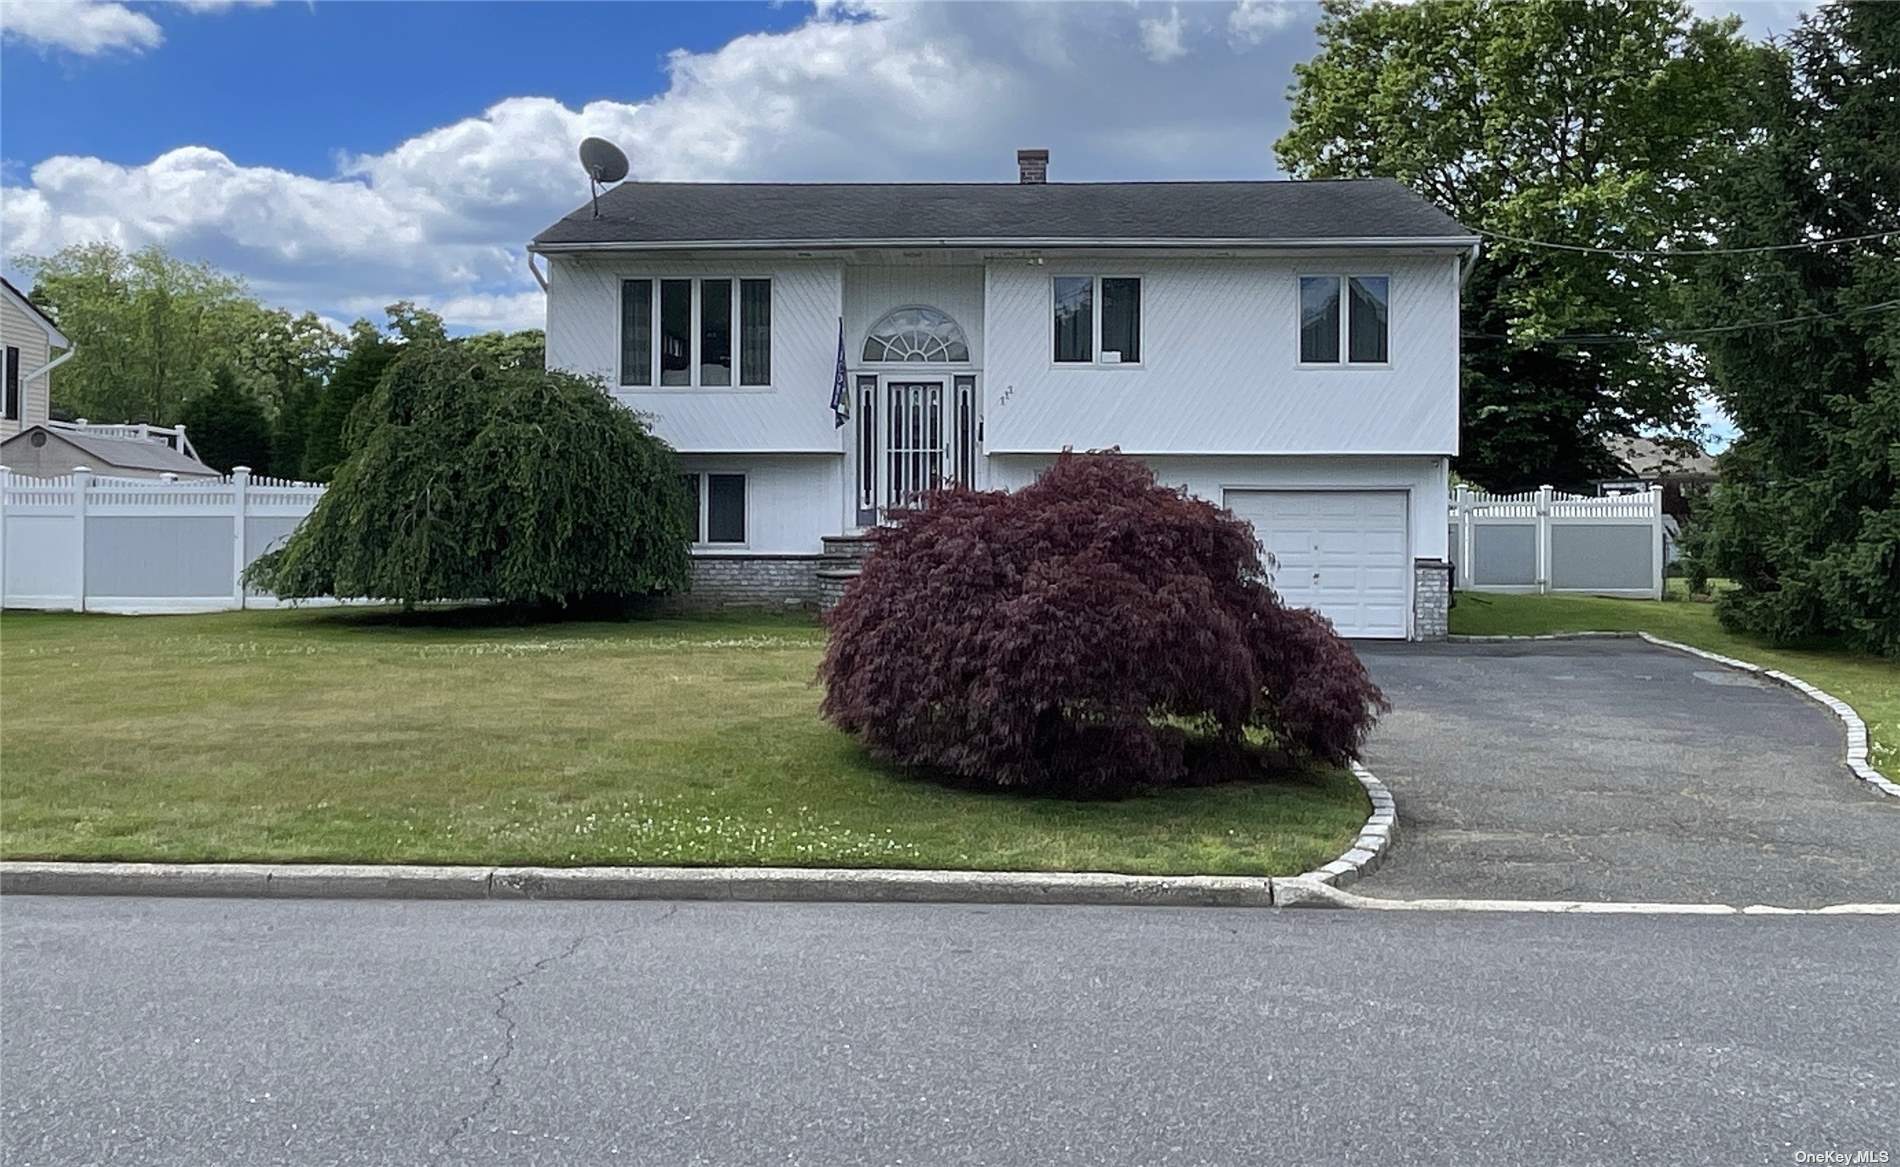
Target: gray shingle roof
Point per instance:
(110, 454)
(758, 214)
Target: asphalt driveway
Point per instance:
(1615, 770)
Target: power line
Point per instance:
(1677, 253)
(1686, 333)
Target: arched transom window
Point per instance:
(915, 334)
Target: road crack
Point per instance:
(504, 1013)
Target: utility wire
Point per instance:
(1652, 253)
(1681, 334)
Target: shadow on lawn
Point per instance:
(1210, 763)
(448, 617)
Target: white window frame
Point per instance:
(1345, 360)
(1095, 360)
(701, 540)
(693, 363)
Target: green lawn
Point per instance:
(1870, 684)
(356, 736)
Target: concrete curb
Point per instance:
(362, 881)
(1374, 841)
(806, 884)
(1857, 760)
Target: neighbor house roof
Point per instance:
(1056, 214)
(107, 454)
(32, 310)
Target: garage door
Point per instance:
(1340, 552)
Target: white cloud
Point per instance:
(904, 91)
(1252, 21)
(86, 27)
(1161, 39)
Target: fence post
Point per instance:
(1543, 539)
(240, 486)
(1462, 553)
(1656, 539)
(82, 486)
(6, 481)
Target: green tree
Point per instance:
(227, 426)
(1806, 517)
(324, 440)
(1591, 124)
(526, 349)
(150, 329)
(470, 481)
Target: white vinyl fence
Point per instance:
(95, 544)
(1548, 541)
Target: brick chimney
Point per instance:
(1032, 165)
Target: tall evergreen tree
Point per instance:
(227, 426)
(1806, 519)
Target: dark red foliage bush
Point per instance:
(1058, 637)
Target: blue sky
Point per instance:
(340, 156)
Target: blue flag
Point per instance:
(840, 395)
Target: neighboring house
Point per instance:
(1685, 473)
(1287, 349)
(115, 451)
(27, 340)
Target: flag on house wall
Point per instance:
(840, 396)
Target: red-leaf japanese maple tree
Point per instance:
(1060, 636)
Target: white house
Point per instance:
(27, 340)
(1287, 349)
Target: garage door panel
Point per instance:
(1342, 553)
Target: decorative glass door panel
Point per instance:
(913, 437)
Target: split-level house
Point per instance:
(1288, 350)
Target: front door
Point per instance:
(914, 435)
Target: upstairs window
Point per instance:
(1097, 320)
(1345, 314)
(678, 333)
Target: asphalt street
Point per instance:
(1615, 770)
(205, 1032)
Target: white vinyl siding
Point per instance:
(1220, 370)
(785, 414)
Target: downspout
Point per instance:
(536, 273)
(49, 366)
(1468, 264)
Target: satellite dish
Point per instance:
(603, 160)
(604, 163)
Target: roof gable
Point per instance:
(1283, 213)
(53, 334)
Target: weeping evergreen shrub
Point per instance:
(468, 480)
(1063, 637)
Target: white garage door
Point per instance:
(1340, 552)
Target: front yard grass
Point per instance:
(1868, 683)
(359, 736)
